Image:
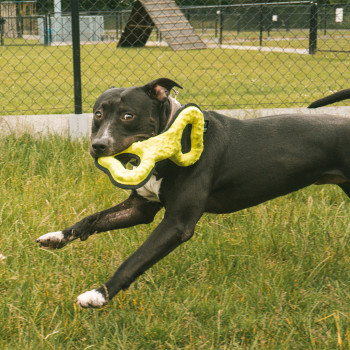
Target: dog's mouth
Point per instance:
(128, 160)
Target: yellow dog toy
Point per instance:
(166, 145)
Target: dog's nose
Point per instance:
(100, 146)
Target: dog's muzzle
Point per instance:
(166, 145)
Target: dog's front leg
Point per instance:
(169, 234)
(134, 211)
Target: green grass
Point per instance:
(39, 80)
(275, 276)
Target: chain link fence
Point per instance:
(225, 56)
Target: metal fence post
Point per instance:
(49, 29)
(76, 56)
(120, 22)
(117, 25)
(261, 25)
(239, 22)
(221, 25)
(313, 28)
(325, 13)
(45, 31)
(2, 22)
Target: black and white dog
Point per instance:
(244, 163)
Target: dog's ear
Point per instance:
(160, 88)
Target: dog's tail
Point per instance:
(336, 97)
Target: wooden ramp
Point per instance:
(168, 18)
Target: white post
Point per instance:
(57, 8)
(78, 125)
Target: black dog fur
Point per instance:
(336, 97)
(244, 163)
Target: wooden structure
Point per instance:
(19, 18)
(169, 20)
(27, 11)
(8, 13)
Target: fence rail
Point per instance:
(256, 55)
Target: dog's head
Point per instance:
(123, 116)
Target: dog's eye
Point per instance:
(98, 115)
(127, 116)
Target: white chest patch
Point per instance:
(150, 190)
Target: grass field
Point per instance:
(275, 276)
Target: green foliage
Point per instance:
(275, 276)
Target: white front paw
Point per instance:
(52, 240)
(92, 298)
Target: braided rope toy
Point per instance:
(166, 145)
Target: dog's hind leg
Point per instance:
(134, 211)
(336, 177)
(346, 188)
(345, 184)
